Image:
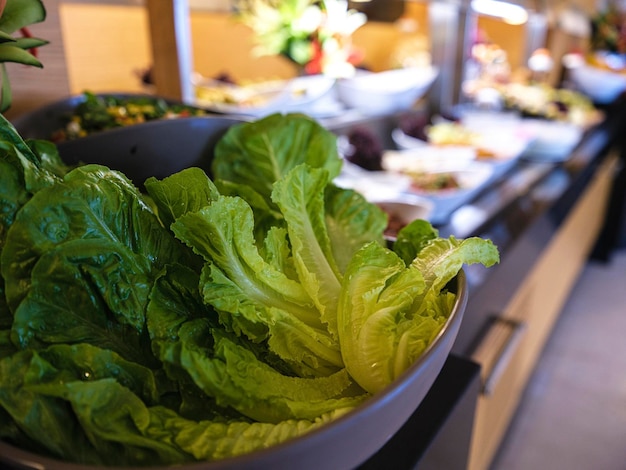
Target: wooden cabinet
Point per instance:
(512, 345)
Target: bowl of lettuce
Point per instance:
(250, 316)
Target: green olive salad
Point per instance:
(97, 113)
(207, 317)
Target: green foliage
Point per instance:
(18, 14)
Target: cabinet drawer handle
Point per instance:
(496, 349)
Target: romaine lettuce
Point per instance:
(210, 317)
(260, 153)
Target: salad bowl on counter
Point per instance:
(217, 317)
(164, 136)
(88, 113)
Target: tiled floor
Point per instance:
(573, 414)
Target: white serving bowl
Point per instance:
(404, 210)
(553, 140)
(405, 141)
(386, 92)
(429, 158)
(602, 86)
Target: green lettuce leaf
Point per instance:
(116, 422)
(375, 315)
(186, 191)
(208, 440)
(92, 202)
(234, 375)
(442, 258)
(300, 196)
(174, 300)
(351, 221)
(99, 295)
(46, 423)
(276, 251)
(251, 294)
(266, 216)
(222, 234)
(389, 312)
(412, 238)
(25, 167)
(258, 154)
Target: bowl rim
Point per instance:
(58, 109)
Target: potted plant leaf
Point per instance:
(15, 16)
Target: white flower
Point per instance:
(310, 20)
(340, 20)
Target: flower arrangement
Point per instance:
(316, 35)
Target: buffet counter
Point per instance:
(547, 219)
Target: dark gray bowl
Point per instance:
(154, 148)
(340, 445)
(160, 148)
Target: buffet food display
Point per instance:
(243, 287)
(600, 76)
(388, 91)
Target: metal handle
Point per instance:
(496, 350)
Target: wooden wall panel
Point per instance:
(106, 46)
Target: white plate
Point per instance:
(248, 101)
(308, 89)
(313, 95)
(469, 178)
(501, 135)
(373, 185)
(554, 141)
(428, 158)
(255, 100)
(498, 137)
